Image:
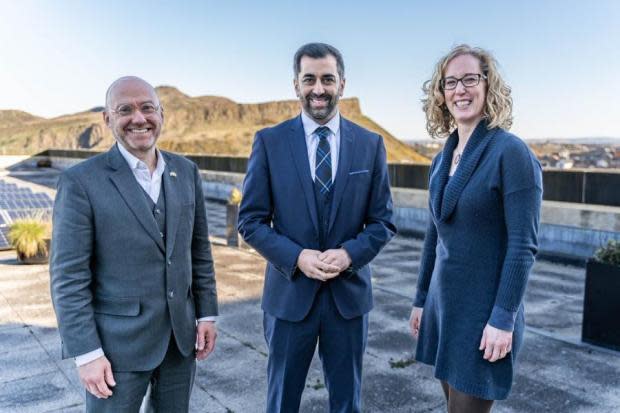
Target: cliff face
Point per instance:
(207, 124)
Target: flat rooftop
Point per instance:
(556, 372)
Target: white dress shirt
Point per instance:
(151, 183)
(312, 141)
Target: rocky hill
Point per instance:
(16, 117)
(206, 124)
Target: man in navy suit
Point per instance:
(317, 205)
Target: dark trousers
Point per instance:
(292, 344)
(171, 386)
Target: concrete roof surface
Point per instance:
(555, 373)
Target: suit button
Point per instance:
(161, 234)
(157, 211)
(169, 262)
(170, 294)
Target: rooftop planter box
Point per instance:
(601, 304)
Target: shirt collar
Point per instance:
(310, 124)
(135, 163)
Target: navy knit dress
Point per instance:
(478, 252)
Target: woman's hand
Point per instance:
(496, 343)
(414, 320)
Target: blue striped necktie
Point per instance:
(323, 161)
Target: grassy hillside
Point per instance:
(206, 124)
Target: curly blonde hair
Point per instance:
(498, 102)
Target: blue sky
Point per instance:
(561, 58)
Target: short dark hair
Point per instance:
(317, 51)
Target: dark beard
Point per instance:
(320, 114)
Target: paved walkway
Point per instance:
(556, 372)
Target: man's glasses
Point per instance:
(128, 110)
(469, 80)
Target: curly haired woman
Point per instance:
(485, 192)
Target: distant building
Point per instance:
(554, 154)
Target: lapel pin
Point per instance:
(173, 174)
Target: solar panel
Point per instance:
(15, 214)
(19, 196)
(15, 189)
(4, 241)
(20, 202)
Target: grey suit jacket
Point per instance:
(114, 283)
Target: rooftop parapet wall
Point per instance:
(599, 217)
(573, 230)
(566, 229)
(583, 186)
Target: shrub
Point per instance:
(28, 236)
(610, 253)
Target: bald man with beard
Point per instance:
(132, 277)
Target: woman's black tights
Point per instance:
(459, 402)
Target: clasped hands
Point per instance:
(325, 265)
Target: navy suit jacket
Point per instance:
(278, 216)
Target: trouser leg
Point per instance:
(342, 343)
(172, 381)
(291, 347)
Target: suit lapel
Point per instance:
(344, 166)
(299, 151)
(132, 194)
(478, 142)
(173, 208)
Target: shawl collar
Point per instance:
(445, 195)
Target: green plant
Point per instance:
(401, 364)
(29, 235)
(610, 253)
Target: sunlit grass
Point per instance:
(28, 235)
